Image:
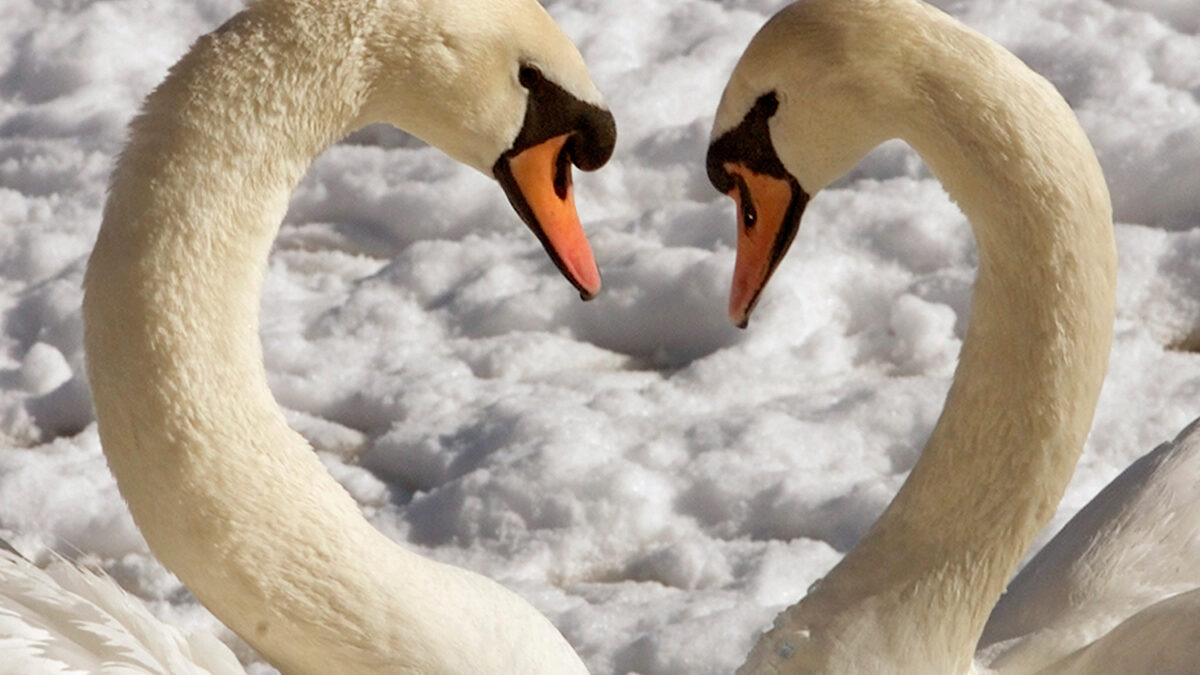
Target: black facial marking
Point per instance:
(553, 111)
(748, 144)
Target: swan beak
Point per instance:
(537, 181)
(768, 212)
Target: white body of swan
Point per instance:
(822, 83)
(228, 497)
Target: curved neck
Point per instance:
(917, 589)
(227, 496)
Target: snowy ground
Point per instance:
(656, 481)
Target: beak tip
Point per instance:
(740, 307)
(586, 277)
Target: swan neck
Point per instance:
(227, 496)
(1011, 154)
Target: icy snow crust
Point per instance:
(657, 482)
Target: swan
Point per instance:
(822, 83)
(229, 498)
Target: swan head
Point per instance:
(805, 102)
(499, 87)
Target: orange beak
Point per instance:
(537, 181)
(769, 210)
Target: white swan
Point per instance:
(822, 83)
(228, 497)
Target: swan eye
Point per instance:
(529, 76)
(745, 202)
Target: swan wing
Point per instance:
(67, 620)
(1135, 543)
(1163, 639)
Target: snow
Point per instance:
(657, 482)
